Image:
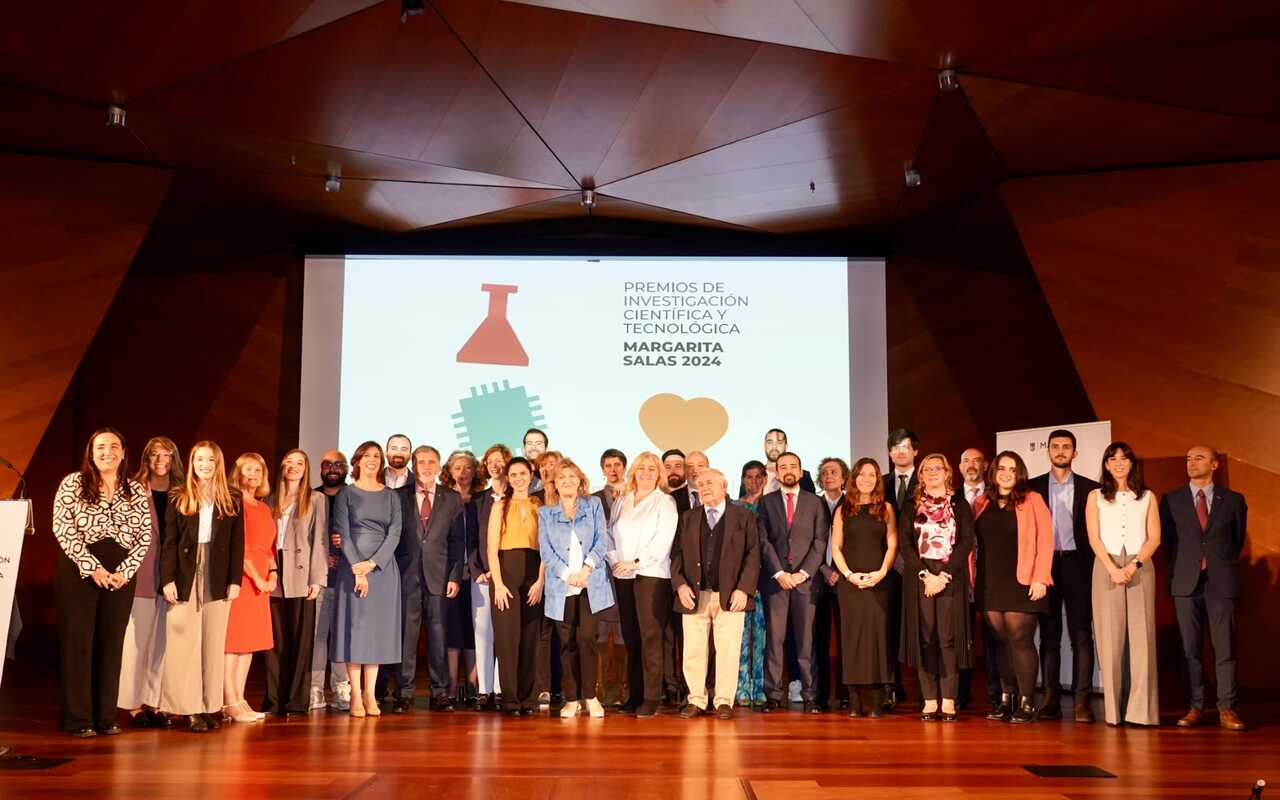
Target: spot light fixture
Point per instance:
(333, 184)
(948, 81)
(588, 200)
(412, 8)
(115, 117)
(912, 177)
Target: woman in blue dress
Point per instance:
(366, 627)
(751, 663)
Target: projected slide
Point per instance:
(638, 354)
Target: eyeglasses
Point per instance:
(933, 470)
(324, 464)
(901, 447)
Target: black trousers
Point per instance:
(1073, 588)
(789, 610)
(579, 662)
(516, 628)
(939, 673)
(894, 582)
(420, 607)
(549, 675)
(826, 619)
(293, 631)
(1220, 613)
(644, 609)
(91, 626)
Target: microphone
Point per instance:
(21, 492)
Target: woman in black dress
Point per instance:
(935, 594)
(864, 543)
(1015, 563)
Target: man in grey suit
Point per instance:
(1204, 527)
(427, 575)
(794, 526)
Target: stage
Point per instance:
(787, 756)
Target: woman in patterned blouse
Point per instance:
(102, 521)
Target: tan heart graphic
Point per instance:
(670, 422)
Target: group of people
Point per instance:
(172, 577)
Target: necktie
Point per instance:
(902, 491)
(791, 507)
(712, 517)
(693, 499)
(424, 514)
(1202, 514)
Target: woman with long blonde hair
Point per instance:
(301, 543)
(249, 623)
(201, 566)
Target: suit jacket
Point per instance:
(605, 496)
(426, 553)
(1040, 485)
(464, 536)
(739, 554)
(681, 496)
(178, 552)
(910, 647)
(1219, 545)
(1035, 537)
(306, 543)
(891, 492)
(478, 556)
(805, 540)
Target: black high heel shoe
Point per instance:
(1002, 711)
(1026, 711)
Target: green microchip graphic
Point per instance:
(496, 414)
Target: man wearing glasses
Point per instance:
(899, 491)
(333, 477)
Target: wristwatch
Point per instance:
(924, 573)
(1137, 564)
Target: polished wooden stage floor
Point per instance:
(786, 756)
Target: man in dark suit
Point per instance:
(715, 569)
(900, 484)
(1204, 526)
(794, 526)
(1065, 492)
(428, 576)
(673, 688)
(833, 475)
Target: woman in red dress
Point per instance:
(249, 624)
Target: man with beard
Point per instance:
(677, 486)
(534, 444)
(1066, 493)
(427, 577)
(794, 526)
(399, 451)
(333, 476)
(673, 688)
(775, 444)
(973, 468)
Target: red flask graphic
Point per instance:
(495, 341)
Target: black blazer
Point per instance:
(1219, 545)
(178, 546)
(681, 496)
(464, 538)
(478, 556)
(891, 491)
(426, 553)
(739, 555)
(806, 539)
(606, 501)
(910, 647)
(1040, 485)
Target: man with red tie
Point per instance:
(794, 526)
(1203, 525)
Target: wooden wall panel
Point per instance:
(1166, 286)
(70, 229)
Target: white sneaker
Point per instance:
(594, 708)
(794, 692)
(544, 699)
(569, 709)
(342, 697)
(317, 699)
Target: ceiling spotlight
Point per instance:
(913, 178)
(115, 117)
(333, 184)
(588, 200)
(412, 8)
(948, 80)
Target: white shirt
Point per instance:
(1122, 524)
(205, 531)
(419, 492)
(644, 531)
(393, 480)
(282, 525)
(971, 493)
(831, 509)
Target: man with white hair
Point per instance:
(715, 568)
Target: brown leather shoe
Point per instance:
(1194, 718)
(1084, 714)
(1230, 720)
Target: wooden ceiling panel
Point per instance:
(1049, 130)
(369, 83)
(781, 21)
(117, 52)
(955, 158)
(854, 161)
(33, 122)
(569, 207)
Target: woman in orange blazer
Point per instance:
(1014, 572)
